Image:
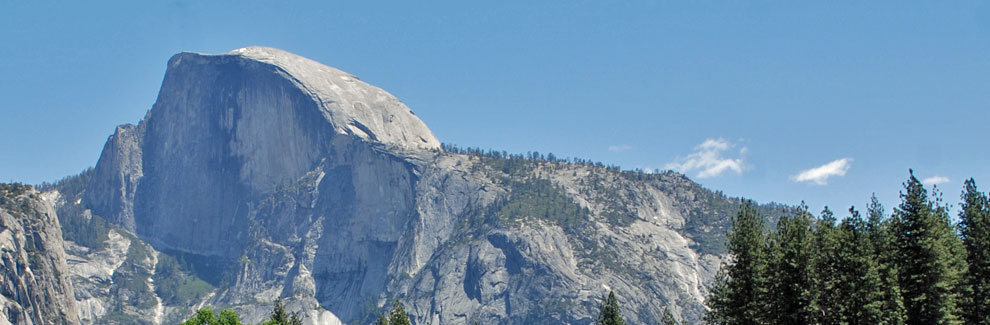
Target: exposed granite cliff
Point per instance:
(295, 179)
(34, 278)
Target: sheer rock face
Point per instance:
(315, 186)
(34, 277)
(229, 128)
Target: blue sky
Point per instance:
(745, 97)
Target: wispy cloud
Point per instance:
(935, 180)
(820, 175)
(619, 147)
(708, 161)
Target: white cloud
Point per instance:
(935, 180)
(707, 159)
(618, 148)
(820, 175)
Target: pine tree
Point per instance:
(279, 316)
(740, 297)
(717, 299)
(396, 316)
(975, 227)
(609, 312)
(859, 278)
(793, 298)
(206, 316)
(928, 269)
(827, 269)
(882, 241)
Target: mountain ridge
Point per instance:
(239, 174)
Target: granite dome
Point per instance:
(352, 106)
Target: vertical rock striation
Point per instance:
(34, 278)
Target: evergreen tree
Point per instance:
(859, 277)
(883, 241)
(609, 312)
(793, 287)
(928, 269)
(827, 269)
(206, 316)
(396, 316)
(280, 316)
(717, 299)
(741, 295)
(975, 227)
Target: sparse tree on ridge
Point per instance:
(609, 312)
(280, 316)
(396, 316)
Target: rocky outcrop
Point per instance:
(294, 179)
(34, 278)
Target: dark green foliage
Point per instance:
(86, 230)
(280, 316)
(791, 265)
(92, 232)
(609, 312)
(827, 268)
(718, 297)
(175, 285)
(746, 275)
(206, 316)
(858, 279)
(883, 241)
(926, 254)
(975, 228)
(538, 198)
(910, 268)
(396, 316)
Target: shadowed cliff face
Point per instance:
(257, 154)
(225, 131)
(298, 180)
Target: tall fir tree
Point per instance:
(280, 316)
(717, 299)
(741, 297)
(609, 312)
(827, 269)
(859, 278)
(882, 241)
(793, 286)
(928, 267)
(974, 221)
(395, 316)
